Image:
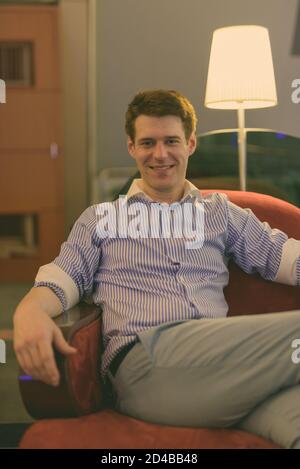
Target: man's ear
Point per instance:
(192, 143)
(130, 147)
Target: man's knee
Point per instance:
(277, 418)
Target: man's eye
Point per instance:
(146, 144)
(172, 141)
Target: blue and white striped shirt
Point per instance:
(144, 282)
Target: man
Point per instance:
(170, 353)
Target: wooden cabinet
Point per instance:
(31, 155)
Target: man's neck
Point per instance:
(162, 197)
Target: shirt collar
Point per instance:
(189, 190)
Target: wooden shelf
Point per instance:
(31, 156)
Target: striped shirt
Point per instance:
(143, 281)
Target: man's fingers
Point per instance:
(35, 361)
(48, 363)
(34, 341)
(38, 361)
(36, 354)
(61, 344)
(26, 361)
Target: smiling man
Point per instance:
(161, 150)
(161, 137)
(171, 354)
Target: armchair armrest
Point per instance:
(80, 390)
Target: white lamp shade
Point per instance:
(240, 72)
(2, 91)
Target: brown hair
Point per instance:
(160, 103)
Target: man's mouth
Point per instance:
(165, 166)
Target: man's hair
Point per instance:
(160, 103)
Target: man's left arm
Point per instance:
(256, 247)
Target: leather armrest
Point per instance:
(80, 390)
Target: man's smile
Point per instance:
(161, 167)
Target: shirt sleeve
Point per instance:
(59, 292)
(257, 248)
(71, 274)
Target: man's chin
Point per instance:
(165, 188)
(162, 186)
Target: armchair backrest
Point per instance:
(250, 294)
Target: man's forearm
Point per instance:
(43, 298)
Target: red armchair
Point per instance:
(79, 413)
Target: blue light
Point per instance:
(280, 135)
(25, 378)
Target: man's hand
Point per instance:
(35, 334)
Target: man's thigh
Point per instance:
(208, 372)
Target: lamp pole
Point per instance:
(242, 141)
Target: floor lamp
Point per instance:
(241, 76)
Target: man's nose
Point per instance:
(160, 150)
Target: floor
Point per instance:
(11, 407)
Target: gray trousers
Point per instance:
(217, 373)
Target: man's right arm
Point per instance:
(35, 334)
(58, 286)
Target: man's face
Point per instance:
(161, 152)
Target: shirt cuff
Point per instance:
(289, 267)
(56, 289)
(52, 274)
